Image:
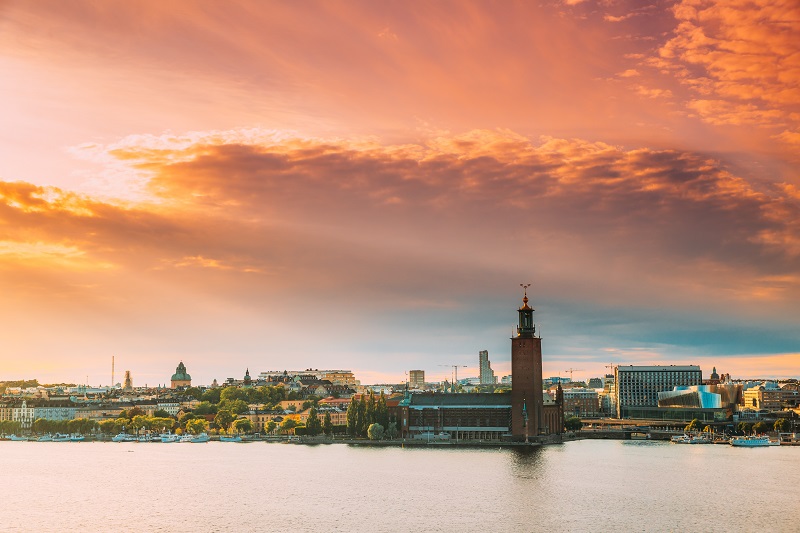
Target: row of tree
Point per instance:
(366, 411)
(747, 428)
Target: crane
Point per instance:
(455, 375)
(571, 370)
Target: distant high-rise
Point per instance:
(416, 379)
(128, 382)
(487, 374)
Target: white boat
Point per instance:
(45, 438)
(201, 437)
(224, 438)
(17, 437)
(60, 437)
(169, 437)
(123, 437)
(750, 441)
(692, 439)
(77, 438)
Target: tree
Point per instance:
(233, 393)
(744, 428)
(382, 411)
(288, 424)
(375, 431)
(237, 407)
(194, 392)
(196, 425)
(211, 396)
(160, 413)
(391, 429)
(708, 429)
(138, 422)
(327, 425)
(313, 425)
(205, 408)
(270, 427)
(352, 416)
(361, 417)
(573, 423)
(108, 426)
(223, 419)
(760, 427)
(782, 425)
(242, 425)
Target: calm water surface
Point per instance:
(578, 486)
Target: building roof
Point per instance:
(464, 400)
(180, 373)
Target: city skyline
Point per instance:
(365, 186)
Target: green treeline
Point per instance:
(365, 413)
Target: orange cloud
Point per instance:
(744, 55)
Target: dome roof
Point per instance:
(180, 373)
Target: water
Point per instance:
(578, 486)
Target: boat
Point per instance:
(201, 437)
(45, 438)
(752, 441)
(60, 437)
(692, 439)
(77, 438)
(169, 437)
(17, 437)
(123, 437)
(225, 438)
(145, 438)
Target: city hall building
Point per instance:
(527, 413)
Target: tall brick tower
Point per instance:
(526, 375)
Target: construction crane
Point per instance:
(455, 375)
(571, 370)
(610, 367)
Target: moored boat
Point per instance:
(60, 437)
(17, 438)
(123, 437)
(226, 438)
(200, 437)
(45, 438)
(751, 441)
(77, 438)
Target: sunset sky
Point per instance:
(364, 185)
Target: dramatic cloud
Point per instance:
(740, 58)
(426, 227)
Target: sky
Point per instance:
(365, 185)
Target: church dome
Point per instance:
(180, 373)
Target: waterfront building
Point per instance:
(637, 387)
(581, 402)
(486, 373)
(722, 396)
(6, 411)
(24, 414)
(180, 378)
(416, 379)
(766, 396)
(529, 415)
(55, 411)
